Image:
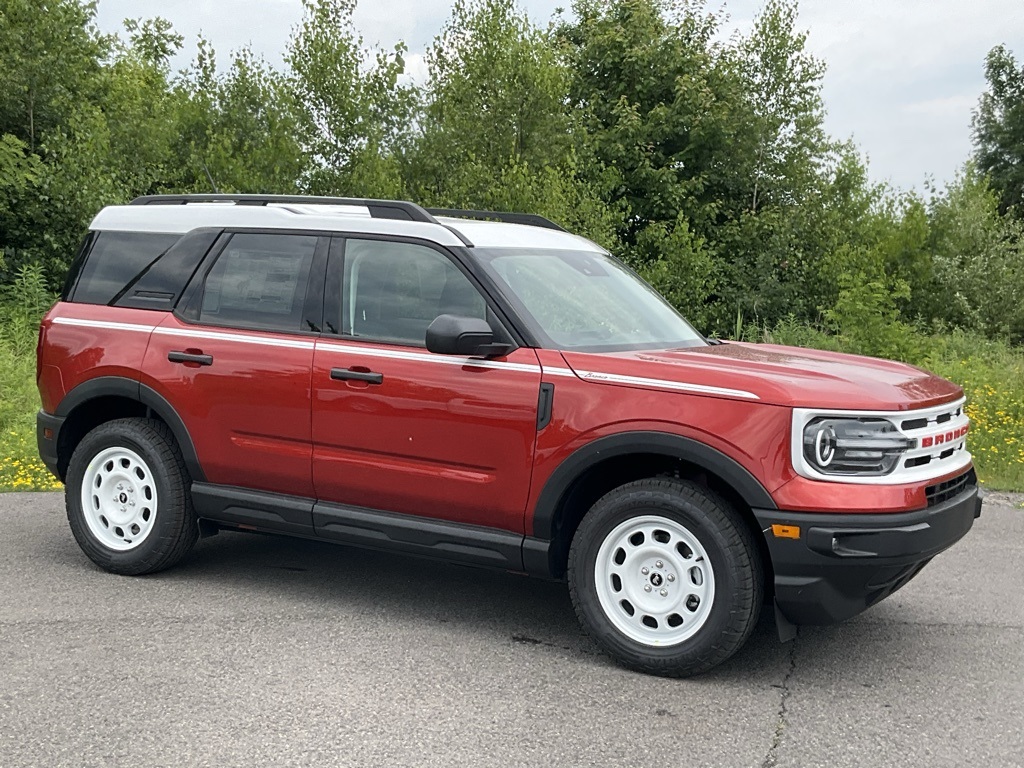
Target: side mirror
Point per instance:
(456, 335)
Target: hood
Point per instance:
(777, 375)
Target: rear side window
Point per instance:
(115, 260)
(259, 281)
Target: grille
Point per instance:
(940, 492)
(936, 426)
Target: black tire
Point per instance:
(735, 564)
(174, 528)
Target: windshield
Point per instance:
(586, 300)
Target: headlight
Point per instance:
(866, 447)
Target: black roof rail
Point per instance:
(530, 219)
(379, 209)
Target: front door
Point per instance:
(400, 429)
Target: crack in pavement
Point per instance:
(526, 640)
(772, 755)
(938, 624)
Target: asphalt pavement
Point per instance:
(261, 651)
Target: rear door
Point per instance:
(235, 361)
(400, 429)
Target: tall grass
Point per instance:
(22, 303)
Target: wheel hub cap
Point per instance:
(119, 498)
(654, 580)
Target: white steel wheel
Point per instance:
(654, 581)
(119, 498)
(665, 576)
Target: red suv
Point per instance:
(484, 388)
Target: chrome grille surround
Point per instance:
(940, 447)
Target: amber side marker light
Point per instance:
(786, 531)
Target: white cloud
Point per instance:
(904, 75)
(228, 24)
(416, 68)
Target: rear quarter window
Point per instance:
(113, 261)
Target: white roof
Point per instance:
(179, 219)
(493, 234)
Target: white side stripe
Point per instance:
(560, 372)
(268, 341)
(665, 384)
(105, 324)
(186, 333)
(426, 357)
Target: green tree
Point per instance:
(978, 259)
(50, 54)
(776, 223)
(658, 106)
(50, 64)
(236, 131)
(715, 151)
(356, 114)
(19, 172)
(103, 150)
(999, 129)
(495, 95)
(495, 130)
(783, 83)
(663, 114)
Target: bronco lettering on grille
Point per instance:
(948, 437)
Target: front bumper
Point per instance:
(47, 434)
(843, 563)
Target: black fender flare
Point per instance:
(537, 548)
(118, 386)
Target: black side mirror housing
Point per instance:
(457, 335)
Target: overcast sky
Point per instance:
(903, 75)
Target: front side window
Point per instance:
(259, 281)
(393, 291)
(587, 301)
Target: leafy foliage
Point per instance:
(353, 117)
(495, 131)
(999, 129)
(50, 60)
(703, 163)
(237, 131)
(977, 259)
(22, 303)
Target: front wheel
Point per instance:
(666, 577)
(127, 497)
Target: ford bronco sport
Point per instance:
(490, 389)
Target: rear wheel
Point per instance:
(666, 577)
(127, 497)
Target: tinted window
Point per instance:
(115, 260)
(259, 281)
(393, 291)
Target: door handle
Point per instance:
(190, 357)
(347, 374)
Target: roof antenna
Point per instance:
(212, 182)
